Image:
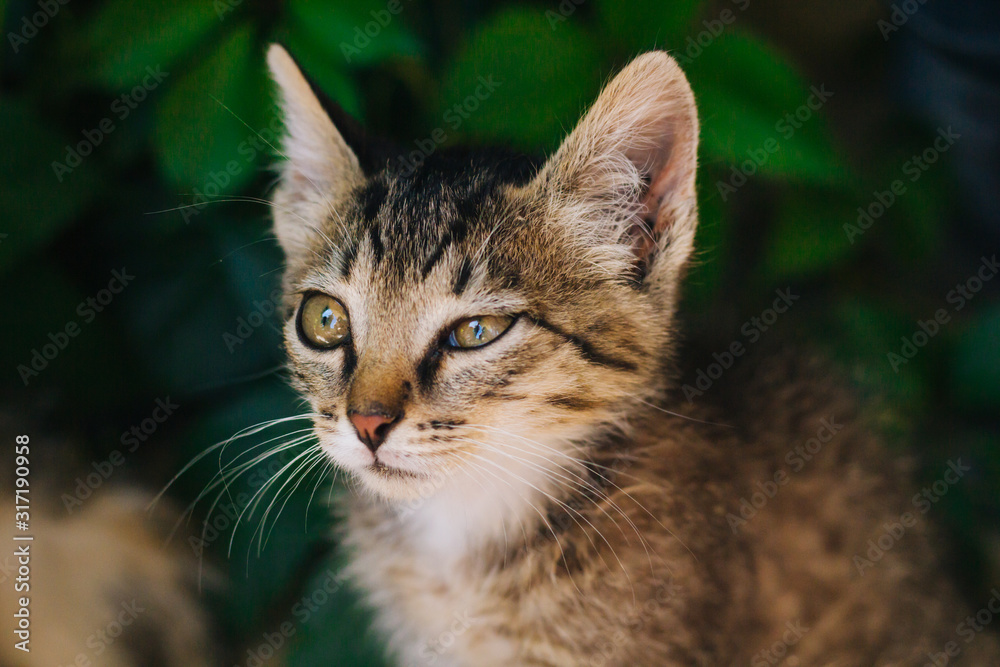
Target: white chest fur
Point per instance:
(421, 567)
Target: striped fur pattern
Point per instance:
(538, 503)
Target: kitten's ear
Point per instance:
(631, 162)
(320, 168)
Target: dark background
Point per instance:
(168, 183)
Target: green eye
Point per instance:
(478, 331)
(323, 321)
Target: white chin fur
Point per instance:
(482, 497)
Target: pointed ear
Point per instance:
(629, 167)
(320, 167)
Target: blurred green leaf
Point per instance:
(206, 124)
(535, 98)
(46, 180)
(975, 369)
(115, 46)
(749, 96)
(642, 24)
(808, 235)
(355, 32)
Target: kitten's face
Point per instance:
(418, 262)
(475, 317)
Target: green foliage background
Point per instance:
(154, 196)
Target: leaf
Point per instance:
(355, 32)
(116, 45)
(38, 198)
(640, 25)
(975, 369)
(206, 125)
(748, 98)
(808, 235)
(517, 81)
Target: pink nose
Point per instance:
(372, 429)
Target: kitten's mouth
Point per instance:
(388, 472)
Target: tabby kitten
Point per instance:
(489, 343)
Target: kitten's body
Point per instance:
(696, 590)
(536, 500)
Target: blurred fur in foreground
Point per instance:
(105, 589)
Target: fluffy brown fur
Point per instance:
(538, 500)
(104, 590)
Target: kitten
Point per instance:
(489, 345)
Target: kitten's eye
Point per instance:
(323, 321)
(478, 331)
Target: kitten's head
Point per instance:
(481, 314)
